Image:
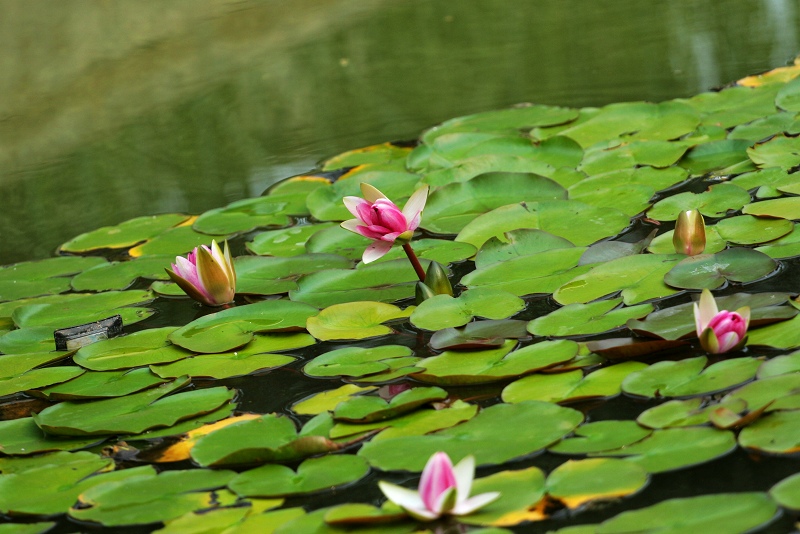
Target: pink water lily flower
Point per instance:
(379, 219)
(443, 490)
(206, 274)
(720, 331)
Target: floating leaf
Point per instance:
(444, 311)
(121, 274)
(585, 319)
(572, 385)
(286, 241)
(713, 203)
(260, 275)
(131, 414)
(37, 378)
(86, 308)
(775, 433)
(355, 361)
(366, 409)
(175, 242)
(96, 385)
(243, 216)
(780, 151)
(21, 437)
(478, 334)
(125, 234)
(520, 492)
(786, 208)
(689, 377)
(235, 327)
(710, 271)
(578, 482)
(689, 412)
(44, 277)
(312, 475)
(600, 436)
(787, 492)
(485, 366)
(750, 230)
(496, 435)
(355, 320)
(640, 278)
(140, 348)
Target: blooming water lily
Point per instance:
(443, 490)
(206, 274)
(379, 219)
(720, 331)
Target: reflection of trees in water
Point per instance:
(129, 109)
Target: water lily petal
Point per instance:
(464, 473)
(188, 288)
(728, 341)
(437, 477)
(351, 224)
(352, 204)
(744, 312)
(403, 497)
(446, 501)
(213, 278)
(704, 311)
(371, 193)
(375, 251)
(473, 503)
(414, 207)
(709, 341)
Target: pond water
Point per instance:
(110, 111)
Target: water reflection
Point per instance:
(116, 109)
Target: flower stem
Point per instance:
(414, 261)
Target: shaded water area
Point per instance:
(112, 110)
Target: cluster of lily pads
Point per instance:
(555, 226)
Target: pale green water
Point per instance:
(112, 110)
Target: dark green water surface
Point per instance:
(112, 110)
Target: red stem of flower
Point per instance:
(414, 261)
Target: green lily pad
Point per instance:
(467, 168)
(150, 497)
(96, 385)
(601, 436)
(715, 202)
(780, 365)
(688, 412)
(543, 272)
(750, 230)
(121, 274)
(325, 203)
(21, 437)
(261, 275)
(355, 320)
(571, 385)
(439, 250)
(215, 520)
(243, 216)
(27, 340)
(383, 281)
(16, 364)
(577, 482)
(268, 438)
(689, 377)
(722, 512)
(787, 492)
(710, 271)
(254, 357)
(765, 127)
(783, 335)
(133, 413)
(496, 435)
(479, 334)
(328, 400)
(520, 492)
(452, 206)
(87, 308)
(493, 365)
(381, 153)
(785, 247)
(315, 522)
(125, 234)
(780, 151)
(312, 475)
(235, 327)
(575, 221)
(37, 378)
(518, 243)
(614, 155)
(677, 448)
(585, 319)
(444, 311)
(639, 278)
(775, 433)
(355, 361)
(285, 241)
(771, 393)
(416, 423)
(715, 155)
(174, 242)
(366, 409)
(50, 276)
(145, 347)
(785, 208)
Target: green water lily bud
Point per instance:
(422, 293)
(436, 279)
(690, 233)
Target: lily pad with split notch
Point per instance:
(710, 271)
(571, 385)
(779, 151)
(355, 320)
(368, 408)
(585, 319)
(715, 202)
(479, 334)
(355, 361)
(444, 311)
(312, 475)
(690, 377)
